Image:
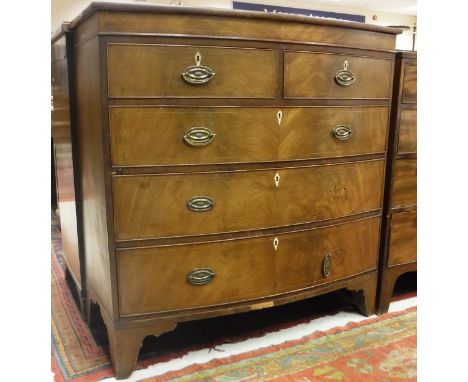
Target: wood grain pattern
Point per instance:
(403, 238)
(404, 183)
(137, 70)
(65, 172)
(155, 206)
(243, 28)
(91, 157)
(154, 136)
(407, 133)
(137, 175)
(312, 75)
(410, 84)
(399, 233)
(154, 279)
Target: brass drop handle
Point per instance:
(198, 74)
(199, 136)
(200, 276)
(200, 204)
(345, 77)
(327, 265)
(342, 132)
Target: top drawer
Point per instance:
(335, 76)
(158, 71)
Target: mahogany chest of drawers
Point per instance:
(227, 161)
(399, 233)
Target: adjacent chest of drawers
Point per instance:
(227, 162)
(399, 232)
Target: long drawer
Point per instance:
(203, 135)
(403, 241)
(147, 206)
(196, 275)
(148, 70)
(325, 75)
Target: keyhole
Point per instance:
(198, 58)
(277, 179)
(279, 115)
(275, 243)
(345, 65)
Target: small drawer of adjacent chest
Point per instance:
(404, 183)
(403, 238)
(409, 84)
(163, 71)
(336, 76)
(407, 133)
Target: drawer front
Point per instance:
(203, 203)
(138, 70)
(167, 136)
(404, 183)
(403, 238)
(407, 135)
(410, 84)
(155, 279)
(314, 75)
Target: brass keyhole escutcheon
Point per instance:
(327, 265)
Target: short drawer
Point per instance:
(143, 136)
(148, 206)
(404, 183)
(145, 70)
(197, 275)
(322, 75)
(410, 84)
(407, 135)
(403, 238)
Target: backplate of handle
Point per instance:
(199, 136)
(345, 78)
(200, 276)
(327, 264)
(200, 204)
(198, 75)
(342, 132)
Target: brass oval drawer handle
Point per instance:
(200, 204)
(342, 132)
(199, 136)
(327, 264)
(198, 74)
(201, 276)
(345, 77)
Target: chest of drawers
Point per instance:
(227, 162)
(399, 233)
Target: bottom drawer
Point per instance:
(156, 279)
(402, 238)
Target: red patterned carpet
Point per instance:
(382, 349)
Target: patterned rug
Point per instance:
(365, 352)
(381, 349)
